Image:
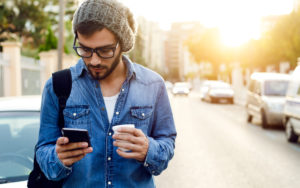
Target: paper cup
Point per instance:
(115, 129)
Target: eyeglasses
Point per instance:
(102, 52)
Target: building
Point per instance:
(152, 39)
(178, 59)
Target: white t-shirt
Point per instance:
(110, 103)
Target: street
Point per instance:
(217, 148)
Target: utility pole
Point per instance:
(61, 34)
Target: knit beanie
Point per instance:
(112, 15)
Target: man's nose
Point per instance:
(95, 59)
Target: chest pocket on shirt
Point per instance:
(77, 117)
(141, 116)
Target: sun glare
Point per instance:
(238, 20)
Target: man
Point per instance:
(107, 90)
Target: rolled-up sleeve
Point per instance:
(46, 154)
(162, 137)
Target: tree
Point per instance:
(281, 43)
(50, 43)
(286, 33)
(29, 20)
(206, 46)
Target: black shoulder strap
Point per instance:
(62, 85)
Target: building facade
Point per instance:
(179, 62)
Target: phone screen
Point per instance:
(76, 135)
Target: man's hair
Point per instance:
(88, 28)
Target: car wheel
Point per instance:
(289, 132)
(213, 100)
(264, 122)
(249, 118)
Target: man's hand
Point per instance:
(137, 142)
(70, 153)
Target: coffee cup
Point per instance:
(115, 129)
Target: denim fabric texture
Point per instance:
(142, 101)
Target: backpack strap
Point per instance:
(62, 85)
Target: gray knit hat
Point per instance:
(111, 14)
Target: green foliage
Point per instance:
(281, 43)
(205, 46)
(29, 20)
(50, 43)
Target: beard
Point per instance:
(109, 70)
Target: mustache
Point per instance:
(99, 66)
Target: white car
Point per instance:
(218, 92)
(291, 112)
(19, 127)
(266, 98)
(181, 88)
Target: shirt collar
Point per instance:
(80, 68)
(131, 72)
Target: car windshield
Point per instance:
(276, 88)
(18, 136)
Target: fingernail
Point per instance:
(84, 144)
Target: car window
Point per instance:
(275, 88)
(18, 136)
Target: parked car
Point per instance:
(291, 119)
(266, 97)
(218, 91)
(181, 88)
(19, 127)
(204, 88)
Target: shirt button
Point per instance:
(74, 114)
(117, 113)
(123, 89)
(143, 114)
(109, 183)
(108, 158)
(102, 108)
(146, 165)
(109, 133)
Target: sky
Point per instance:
(237, 20)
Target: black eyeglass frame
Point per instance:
(92, 50)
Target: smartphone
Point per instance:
(76, 135)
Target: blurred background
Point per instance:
(230, 68)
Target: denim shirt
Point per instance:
(142, 101)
